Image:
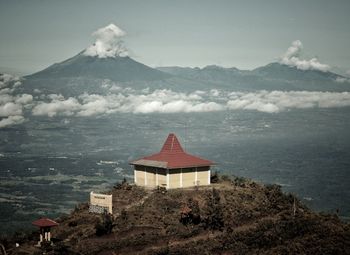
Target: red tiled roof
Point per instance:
(45, 222)
(172, 156)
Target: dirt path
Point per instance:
(179, 242)
(200, 237)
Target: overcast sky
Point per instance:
(245, 34)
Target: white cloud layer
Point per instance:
(10, 109)
(158, 101)
(108, 43)
(292, 58)
(167, 101)
(127, 100)
(12, 106)
(342, 79)
(277, 101)
(11, 120)
(57, 106)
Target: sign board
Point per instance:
(99, 203)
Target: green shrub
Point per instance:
(215, 216)
(214, 178)
(105, 227)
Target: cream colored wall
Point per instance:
(151, 176)
(189, 176)
(140, 177)
(202, 177)
(162, 178)
(174, 178)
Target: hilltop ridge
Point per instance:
(232, 216)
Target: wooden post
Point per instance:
(209, 176)
(157, 184)
(135, 177)
(196, 178)
(167, 179)
(181, 185)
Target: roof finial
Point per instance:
(172, 145)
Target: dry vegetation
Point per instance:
(230, 217)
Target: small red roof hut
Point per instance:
(45, 225)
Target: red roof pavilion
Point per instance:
(45, 222)
(172, 156)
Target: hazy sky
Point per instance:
(245, 34)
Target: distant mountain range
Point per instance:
(83, 73)
(273, 76)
